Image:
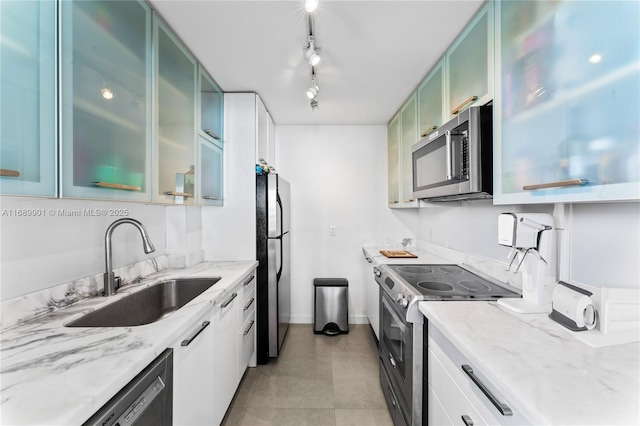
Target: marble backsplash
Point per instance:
(19, 309)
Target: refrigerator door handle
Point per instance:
(279, 273)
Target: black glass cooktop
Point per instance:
(449, 282)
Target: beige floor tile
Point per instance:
(359, 417)
(289, 416)
(291, 392)
(314, 367)
(356, 383)
(301, 341)
(241, 398)
(234, 416)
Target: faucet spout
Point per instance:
(111, 282)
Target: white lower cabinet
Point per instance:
(460, 397)
(194, 385)
(225, 359)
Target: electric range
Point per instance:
(402, 287)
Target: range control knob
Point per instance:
(404, 302)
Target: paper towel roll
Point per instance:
(575, 306)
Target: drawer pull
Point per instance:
(249, 304)
(248, 328)
(501, 406)
(463, 104)
(467, 420)
(558, 184)
(249, 280)
(229, 300)
(186, 342)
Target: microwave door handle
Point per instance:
(449, 146)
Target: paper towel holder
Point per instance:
(568, 322)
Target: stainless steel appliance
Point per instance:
(145, 401)
(402, 364)
(455, 162)
(273, 286)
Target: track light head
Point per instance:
(314, 104)
(312, 92)
(311, 53)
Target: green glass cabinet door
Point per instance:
(106, 100)
(567, 108)
(211, 107)
(408, 137)
(393, 159)
(469, 64)
(176, 77)
(28, 98)
(211, 172)
(430, 97)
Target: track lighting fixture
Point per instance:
(311, 53)
(312, 91)
(314, 104)
(310, 5)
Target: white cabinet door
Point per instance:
(262, 142)
(247, 325)
(193, 375)
(225, 359)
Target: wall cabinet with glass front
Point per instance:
(210, 140)
(28, 98)
(175, 71)
(430, 101)
(567, 106)
(106, 100)
(400, 175)
(469, 64)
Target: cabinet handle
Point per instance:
(248, 328)
(408, 201)
(558, 184)
(464, 104)
(501, 406)
(117, 186)
(212, 133)
(394, 202)
(249, 280)
(210, 197)
(186, 342)
(228, 301)
(178, 194)
(9, 172)
(467, 420)
(249, 304)
(368, 259)
(429, 130)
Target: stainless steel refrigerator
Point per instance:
(273, 291)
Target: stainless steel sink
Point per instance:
(148, 305)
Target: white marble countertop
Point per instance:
(377, 258)
(548, 374)
(55, 375)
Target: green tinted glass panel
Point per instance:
(27, 89)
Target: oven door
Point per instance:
(396, 347)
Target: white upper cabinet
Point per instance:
(265, 143)
(567, 111)
(106, 100)
(28, 96)
(469, 64)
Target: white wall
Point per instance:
(338, 176)
(43, 251)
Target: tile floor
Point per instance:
(317, 380)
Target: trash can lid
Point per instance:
(330, 282)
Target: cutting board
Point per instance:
(398, 254)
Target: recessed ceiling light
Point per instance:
(595, 58)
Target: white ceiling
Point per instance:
(374, 53)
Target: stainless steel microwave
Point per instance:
(455, 162)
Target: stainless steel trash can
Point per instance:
(330, 300)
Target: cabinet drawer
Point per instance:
(248, 286)
(437, 414)
(452, 399)
(248, 305)
(452, 360)
(246, 343)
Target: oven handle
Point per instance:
(397, 319)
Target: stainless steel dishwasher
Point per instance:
(145, 400)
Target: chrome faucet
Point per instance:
(111, 282)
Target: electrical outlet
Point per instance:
(332, 230)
